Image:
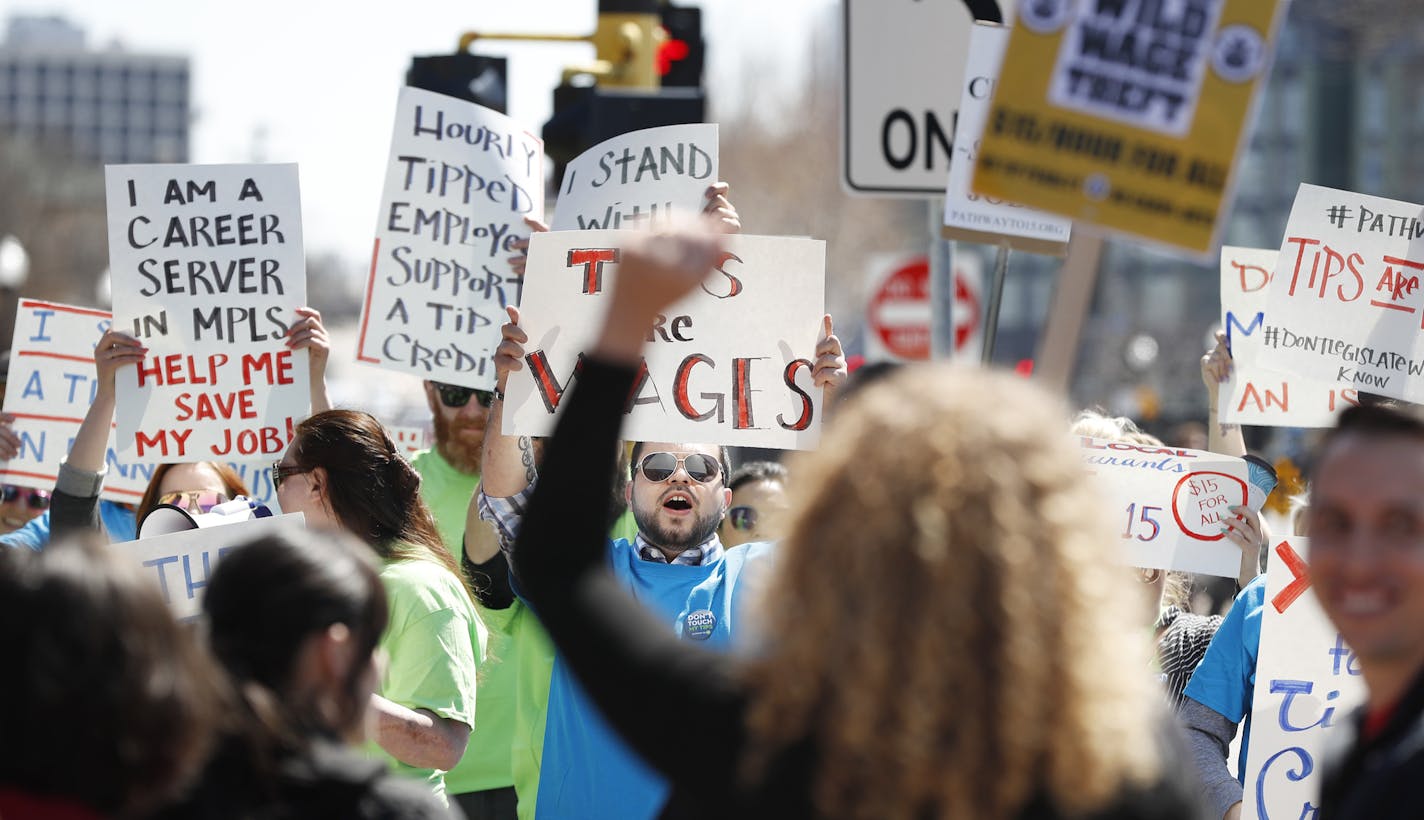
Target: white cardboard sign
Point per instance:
(973, 217)
(182, 562)
(459, 182)
(638, 179)
(1171, 502)
(1254, 395)
(730, 364)
(208, 269)
(1346, 302)
(1307, 683)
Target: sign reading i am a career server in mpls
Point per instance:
(1127, 114)
(208, 272)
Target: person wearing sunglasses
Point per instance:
(18, 505)
(759, 504)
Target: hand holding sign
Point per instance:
(830, 369)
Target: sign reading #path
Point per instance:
(729, 364)
(1346, 302)
(459, 183)
(1127, 114)
(182, 562)
(967, 215)
(207, 269)
(1170, 502)
(634, 180)
(1254, 395)
(1307, 683)
(51, 385)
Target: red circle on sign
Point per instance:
(908, 286)
(1206, 484)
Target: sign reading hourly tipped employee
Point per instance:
(1128, 114)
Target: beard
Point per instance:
(703, 525)
(456, 445)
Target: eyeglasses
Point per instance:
(742, 518)
(194, 501)
(281, 472)
(453, 395)
(659, 467)
(35, 500)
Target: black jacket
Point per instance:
(1382, 777)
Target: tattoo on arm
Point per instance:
(526, 456)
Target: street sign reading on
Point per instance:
(904, 64)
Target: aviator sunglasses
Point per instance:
(34, 499)
(453, 395)
(194, 501)
(659, 467)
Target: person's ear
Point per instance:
(726, 500)
(319, 483)
(628, 492)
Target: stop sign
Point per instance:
(899, 310)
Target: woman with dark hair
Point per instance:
(342, 471)
(107, 705)
(295, 619)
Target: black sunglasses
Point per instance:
(36, 500)
(281, 472)
(659, 467)
(453, 395)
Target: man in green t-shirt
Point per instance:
(482, 784)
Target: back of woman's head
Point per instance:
(105, 700)
(268, 598)
(947, 622)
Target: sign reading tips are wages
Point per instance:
(460, 181)
(1307, 683)
(967, 215)
(1346, 302)
(50, 388)
(729, 364)
(208, 270)
(1254, 395)
(1128, 114)
(636, 180)
(1172, 503)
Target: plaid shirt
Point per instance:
(506, 513)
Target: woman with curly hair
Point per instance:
(946, 634)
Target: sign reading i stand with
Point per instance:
(904, 61)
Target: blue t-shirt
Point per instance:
(1226, 677)
(118, 521)
(587, 772)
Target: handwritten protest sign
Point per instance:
(50, 388)
(182, 562)
(967, 215)
(460, 180)
(1307, 682)
(1254, 395)
(1171, 502)
(1127, 114)
(730, 364)
(1346, 305)
(411, 440)
(636, 179)
(207, 270)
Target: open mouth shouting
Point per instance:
(678, 502)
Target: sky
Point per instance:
(315, 81)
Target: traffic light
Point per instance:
(478, 78)
(680, 56)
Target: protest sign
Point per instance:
(967, 215)
(459, 183)
(729, 364)
(1171, 503)
(51, 385)
(1346, 306)
(208, 270)
(1127, 114)
(182, 562)
(634, 180)
(1307, 683)
(1254, 395)
(411, 440)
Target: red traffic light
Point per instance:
(669, 52)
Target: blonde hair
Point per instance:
(948, 625)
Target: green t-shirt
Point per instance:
(431, 642)
(447, 492)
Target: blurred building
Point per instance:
(107, 106)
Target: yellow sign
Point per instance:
(1127, 114)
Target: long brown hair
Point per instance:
(947, 624)
(231, 481)
(372, 489)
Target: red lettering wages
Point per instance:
(733, 285)
(808, 408)
(683, 401)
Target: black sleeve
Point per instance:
(619, 650)
(489, 580)
(69, 514)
